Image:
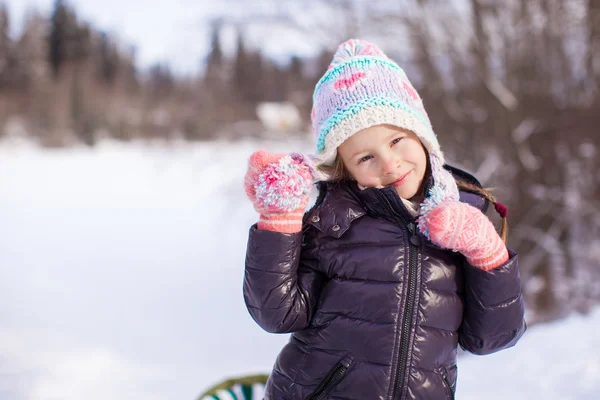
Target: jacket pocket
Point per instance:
(332, 379)
(449, 379)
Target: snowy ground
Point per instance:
(120, 278)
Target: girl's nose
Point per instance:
(390, 165)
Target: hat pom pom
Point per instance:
(284, 185)
(355, 47)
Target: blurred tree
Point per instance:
(32, 66)
(299, 88)
(275, 88)
(161, 81)
(593, 51)
(57, 38)
(215, 71)
(108, 60)
(69, 49)
(323, 61)
(248, 73)
(218, 104)
(241, 69)
(129, 72)
(256, 73)
(67, 40)
(5, 45)
(295, 71)
(32, 76)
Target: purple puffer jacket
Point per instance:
(376, 310)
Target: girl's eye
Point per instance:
(397, 140)
(365, 158)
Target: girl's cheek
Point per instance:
(369, 181)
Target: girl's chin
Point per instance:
(406, 193)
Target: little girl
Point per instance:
(395, 265)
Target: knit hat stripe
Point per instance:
(374, 116)
(358, 63)
(361, 105)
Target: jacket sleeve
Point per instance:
(281, 282)
(493, 317)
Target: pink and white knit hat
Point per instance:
(362, 88)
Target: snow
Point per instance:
(121, 278)
(558, 360)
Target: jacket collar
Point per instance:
(335, 209)
(341, 203)
(385, 203)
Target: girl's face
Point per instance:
(386, 155)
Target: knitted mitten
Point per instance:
(278, 185)
(462, 227)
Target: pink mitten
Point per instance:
(279, 187)
(462, 227)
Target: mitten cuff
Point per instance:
(281, 222)
(491, 260)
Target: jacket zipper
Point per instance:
(329, 382)
(414, 242)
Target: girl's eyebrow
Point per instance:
(396, 133)
(391, 135)
(359, 152)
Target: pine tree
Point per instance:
(58, 36)
(214, 65)
(31, 64)
(68, 40)
(256, 78)
(593, 60)
(161, 80)
(108, 60)
(5, 47)
(240, 70)
(216, 98)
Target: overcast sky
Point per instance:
(175, 31)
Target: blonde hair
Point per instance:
(339, 173)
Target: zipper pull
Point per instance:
(414, 239)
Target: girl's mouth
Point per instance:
(402, 179)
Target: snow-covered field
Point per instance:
(121, 274)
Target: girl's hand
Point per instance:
(462, 227)
(278, 185)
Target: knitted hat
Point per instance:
(363, 88)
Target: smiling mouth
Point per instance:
(402, 179)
